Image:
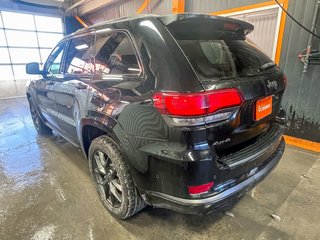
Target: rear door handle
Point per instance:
(50, 83)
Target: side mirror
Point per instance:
(33, 68)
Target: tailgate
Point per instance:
(224, 63)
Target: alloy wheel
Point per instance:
(34, 115)
(107, 178)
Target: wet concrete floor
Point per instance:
(46, 193)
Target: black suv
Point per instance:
(178, 112)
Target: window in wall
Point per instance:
(44, 54)
(6, 72)
(21, 38)
(25, 38)
(48, 24)
(24, 55)
(115, 55)
(80, 59)
(3, 42)
(49, 40)
(1, 24)
(19, 71)
(4, 55)
(18, 21)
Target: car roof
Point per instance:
(166, 19)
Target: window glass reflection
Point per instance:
(115, 55)
(79, 58)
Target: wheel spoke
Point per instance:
(117, 185)
(103, 181)
(102, 158)
(102, 190)
(114, 192)
(111, 199)
(99, 165)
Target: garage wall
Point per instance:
(207, 6)
(129, 8)
(15, 87)
(302, 97)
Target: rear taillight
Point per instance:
(185, 107)
(204, 188)
(181, 104)
(230, 26)
(223, 99)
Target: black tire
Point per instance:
(39, 125)
(112, 178)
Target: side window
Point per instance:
(115, 55)
(80, 58)
(53, 65)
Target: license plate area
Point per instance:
(263, 108)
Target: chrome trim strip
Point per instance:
(274, 145)
(257, 154)
(227, 193)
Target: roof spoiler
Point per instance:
(194, 20)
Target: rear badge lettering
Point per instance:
(221, 142)
(272, 84)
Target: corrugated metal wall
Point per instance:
(265, 24)
(302, 97)
(208, 6)
(128, 8)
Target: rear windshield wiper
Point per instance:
(267, 66)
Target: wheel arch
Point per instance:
(92, 129)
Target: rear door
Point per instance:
(71, 91)
(45, 87)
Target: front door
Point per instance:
(45, 86)
(71, 91)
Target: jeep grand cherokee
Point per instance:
(180, 112)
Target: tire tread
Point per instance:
(135, 201)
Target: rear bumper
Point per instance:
(215, 202)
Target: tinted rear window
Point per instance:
(223, 59)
